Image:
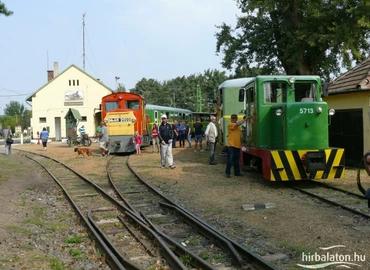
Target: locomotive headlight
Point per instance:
(133, 119)
(279, 112)
(319, 110)
(331, 111)
(292, 80)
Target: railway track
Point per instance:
(136, 227)
(350, 201)
(191, 238)
(124, 239)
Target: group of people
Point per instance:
(164, 139)
(164, 136)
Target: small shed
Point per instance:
(72, 118)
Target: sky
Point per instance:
(129, 39)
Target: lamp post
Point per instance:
(117, 78)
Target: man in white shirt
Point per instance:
(211, 135)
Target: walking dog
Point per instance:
(82, 151)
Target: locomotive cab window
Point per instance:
(305, 92)
(275, 92)
(111, 105)
(132, 104)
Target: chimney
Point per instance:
(55, 69)
(50, 75)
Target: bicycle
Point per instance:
(84, 140)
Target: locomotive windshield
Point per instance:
(275, 92)
(132, 104)
(111, 105)
(305, 91)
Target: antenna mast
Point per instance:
(83, 39)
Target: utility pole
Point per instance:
(83, 39)
(199, 99)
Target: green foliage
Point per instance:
(121, 88)
(296, 37)
(181, 91)
(4, 10)
(16, 114)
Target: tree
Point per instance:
(121, 88)
(4, 10)
(297, 36)
(18, 114)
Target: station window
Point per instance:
(70, 82)
(42, 120)
(83, 118)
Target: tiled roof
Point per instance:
(356, 79)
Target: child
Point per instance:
(138, 141)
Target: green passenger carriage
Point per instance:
(154, 113)
(286, 134)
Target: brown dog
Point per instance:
(82, 151)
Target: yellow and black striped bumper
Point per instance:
(288, 165)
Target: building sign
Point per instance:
(73, 98)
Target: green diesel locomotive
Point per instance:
(286, 134)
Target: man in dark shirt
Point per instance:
(198, 134)
(165, 135)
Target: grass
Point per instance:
(17, 229)
(14, 259)
(52, 262)
(77, 254)
(53, 226)
(74, 240)
(187, 260)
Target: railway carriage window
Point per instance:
(275, 92)
(111, 105)
(305, 92)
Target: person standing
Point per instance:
(233, 149)
(211, 135)
(166, 134)
(104, 139)
(182, 133)
(8, 135)
(44, 137)
(155, 139)
(188, 133)
(175, 133)
(198, 134)
(138, 142)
